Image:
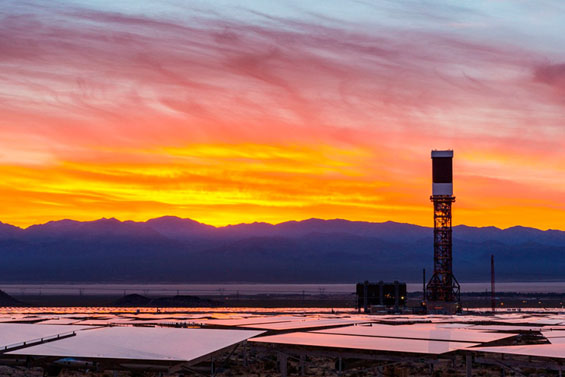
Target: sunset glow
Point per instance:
(275, 111)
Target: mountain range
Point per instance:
(171, 249)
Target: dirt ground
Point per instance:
(260, 363)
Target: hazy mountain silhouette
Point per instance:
(171, 249)
(8, 231)
(177, 228)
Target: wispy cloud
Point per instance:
(84, 89)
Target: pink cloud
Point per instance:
(88, 85)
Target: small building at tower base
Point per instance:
(381, 296)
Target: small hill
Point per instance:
(7, 300)
(182, 302)
(135, 300)
(132, 300)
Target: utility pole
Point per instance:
(492, 291)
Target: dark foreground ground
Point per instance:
(260, 364)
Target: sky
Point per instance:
(242, 111)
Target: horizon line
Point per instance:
(272, 224)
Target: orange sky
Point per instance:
(279, 114)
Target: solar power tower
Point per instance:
(443, 291)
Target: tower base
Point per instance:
(443, 307)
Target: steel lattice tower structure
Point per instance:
(443, 287)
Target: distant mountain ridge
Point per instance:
(172, 249)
